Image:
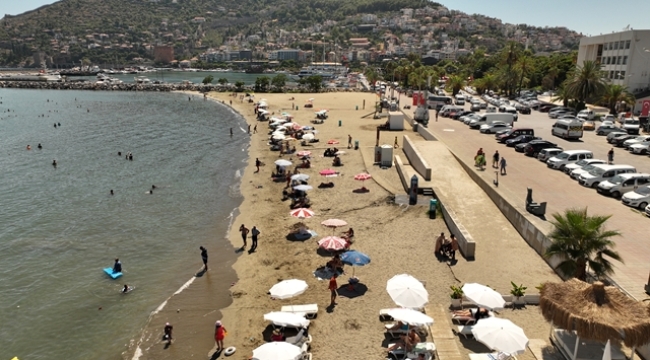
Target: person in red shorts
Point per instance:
(333, 286)
(219, 334)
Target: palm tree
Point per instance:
(585, 82)
(581, 241)
(510, 54)
(455, 83)
(524, 66)
(616, 94)
(562, 95)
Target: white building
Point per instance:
(624, 56)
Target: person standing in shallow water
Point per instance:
(244, 233)
(204, 257)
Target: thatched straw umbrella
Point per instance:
(596, 312)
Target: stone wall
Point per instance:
(415, 159)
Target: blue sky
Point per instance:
(591, 17)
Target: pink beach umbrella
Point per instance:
(328, 172)
(302, 213)
(362, 177)
(332, 142)
(303, 153)
(333, 243)
(333, 223)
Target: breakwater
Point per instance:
(84, 85)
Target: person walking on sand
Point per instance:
(257, 164)
(168, 333)
(244, 233)
(254, 234)
(503, 166)
(610, 156)
(495, 159)
(255, 129)
(454, 247)
(332, 287)
(219, 334)
(249, 129)
(204, 257)
(396, 145)
(349, 141)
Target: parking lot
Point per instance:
(558, 189)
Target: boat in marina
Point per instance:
(142, 80)
(327, 70)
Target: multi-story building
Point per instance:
(624, 56)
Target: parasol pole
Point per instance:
(633, 351)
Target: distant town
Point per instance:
(432, 33)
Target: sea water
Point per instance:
(59, 225)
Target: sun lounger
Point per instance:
(300, 339)
(463, 320)
(464, 330)
(396, 332)
(492, 356)
(308, 310)
(426, 348)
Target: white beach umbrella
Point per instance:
(607, 353)
(279, 137)
(410, 317)
(500, 335)
(484, 296)
(288, 288)
(281, 318)
(308, 137)
(303, 187)
(407, 291)
(300, 177)
(283, 162)
(277, 350)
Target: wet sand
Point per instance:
(398, 239)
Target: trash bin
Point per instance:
(356, 144)
(297, 107)
(340, 122)
(356, 107)
(433, 207)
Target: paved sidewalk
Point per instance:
(561, 193)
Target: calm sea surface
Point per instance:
(60, 226)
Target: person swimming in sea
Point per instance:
(119, 153)
(112, 192)
(126, 289)
(29, 147)
(54, 162)
(39, 146)
(153, 187)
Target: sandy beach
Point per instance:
(398, 239)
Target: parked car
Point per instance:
(568, 157)
(546, 107)
(548, 153)
(620, 139)
(589, 125)
(524, 110)
(457, 115)
(575, 174)
(519, 140)
(494, 127)
(623, 183)
(582, 163)
(475, 107)
(511, 134)
(521, 147)
(639, 198)
(606, 129)
(535, 146)
(483, 105)
(636, 140)
(608, 117)
(614, 134)
(639, 148)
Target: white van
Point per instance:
(510, 110)
(567, 129)
(602, 172)
(568, 157)
(460, 99)
(620, 184)
(489, 118)
(586, 114)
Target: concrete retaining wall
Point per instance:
(523, 222)
(399, 165)
(426, 134)
(466, 242)
(415, 159)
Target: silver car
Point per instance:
(548, 153)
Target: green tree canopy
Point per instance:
(582, 243)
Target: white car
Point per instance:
(640, 148)
(609, 117)
(548, 153)
(639, 198)
(494, 127)
(582, 163)
(636, 140)
(470, 117)
(575, 174)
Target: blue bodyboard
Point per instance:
(109, 272)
